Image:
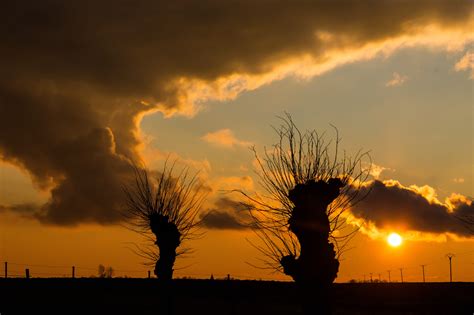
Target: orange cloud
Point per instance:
(228, 183)
(377, 170)
(466, 63)
(396, 80)
(458, 180)
(225, 138)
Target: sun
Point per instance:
(394, 240)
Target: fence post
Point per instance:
(73, 272)
(27, 273)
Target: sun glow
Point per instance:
(394, 240)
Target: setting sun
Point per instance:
(394, 240)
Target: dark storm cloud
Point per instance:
(26, 209)
(76, 75)
(222, 220)
(227, 214)
(391, 205)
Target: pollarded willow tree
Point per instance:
(165, 210)
(308, 186)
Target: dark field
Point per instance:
(146, 296)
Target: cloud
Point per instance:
(227, 214)
(396, 80)
(228, 183)
(392, 206)
(154, 158)
(78, 78)
(225, 138)
(376, 170)
(466, 63)
(26, 209)
(458, 180)
(215, 219)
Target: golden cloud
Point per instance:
(225, 138)
(396, 80)
(466, 63)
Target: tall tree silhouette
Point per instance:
(164, 209)
(309, 184)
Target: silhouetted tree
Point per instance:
(109, 272)
(308, 186)
(165, 211)
(105, 272)
(101, 271)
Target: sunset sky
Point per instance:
(87, 87)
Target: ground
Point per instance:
(147, 296)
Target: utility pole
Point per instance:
(450, 256)
(380, 279)
(389, 280)
(401, 274)
(423, 269)
(6, 270)
(371, 277)
(27, 273)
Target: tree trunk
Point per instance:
(316, 268)
(167, 240)
(164, 264)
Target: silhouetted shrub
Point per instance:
(165, 211)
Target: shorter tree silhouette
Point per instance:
(164, 209)
(308, 186)
(105, 272)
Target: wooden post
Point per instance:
(6, 270)
(27, 273)
(73, 272)
(450, 270)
